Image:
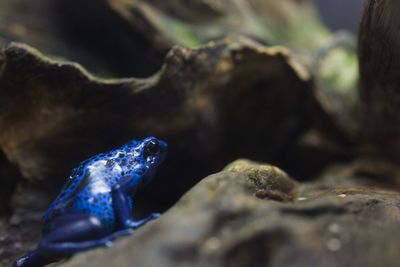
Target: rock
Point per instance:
(223, 222)
(264, 180)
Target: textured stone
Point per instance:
(222, 222)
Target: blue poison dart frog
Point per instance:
(95, 205)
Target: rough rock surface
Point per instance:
(225, 221)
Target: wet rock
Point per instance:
(222, 222)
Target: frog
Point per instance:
(95, 205)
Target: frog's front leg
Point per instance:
(122, 208)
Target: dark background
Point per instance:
(341, 14)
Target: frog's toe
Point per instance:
(155, 215)
(131, 224)
(108, 243)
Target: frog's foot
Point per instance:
(131, 224)
(108, 240)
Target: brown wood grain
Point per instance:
(379, 53)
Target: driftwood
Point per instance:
(379, 54)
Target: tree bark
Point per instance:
(379, 53)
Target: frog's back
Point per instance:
(75, 183)
(88, 188)
(98, 204)
(95, 197)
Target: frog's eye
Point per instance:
(153, 147)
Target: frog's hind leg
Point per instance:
(73, 234)
(67, 235)
(32, 259)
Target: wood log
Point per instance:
(379, 54)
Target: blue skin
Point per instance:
(95, 205)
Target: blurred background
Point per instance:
(340, 14)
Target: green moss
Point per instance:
(181, 33)
(293, 25)
(301, 28)
(176, 30)
(254, 178)
(340, 71)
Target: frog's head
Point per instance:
(152, 152)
